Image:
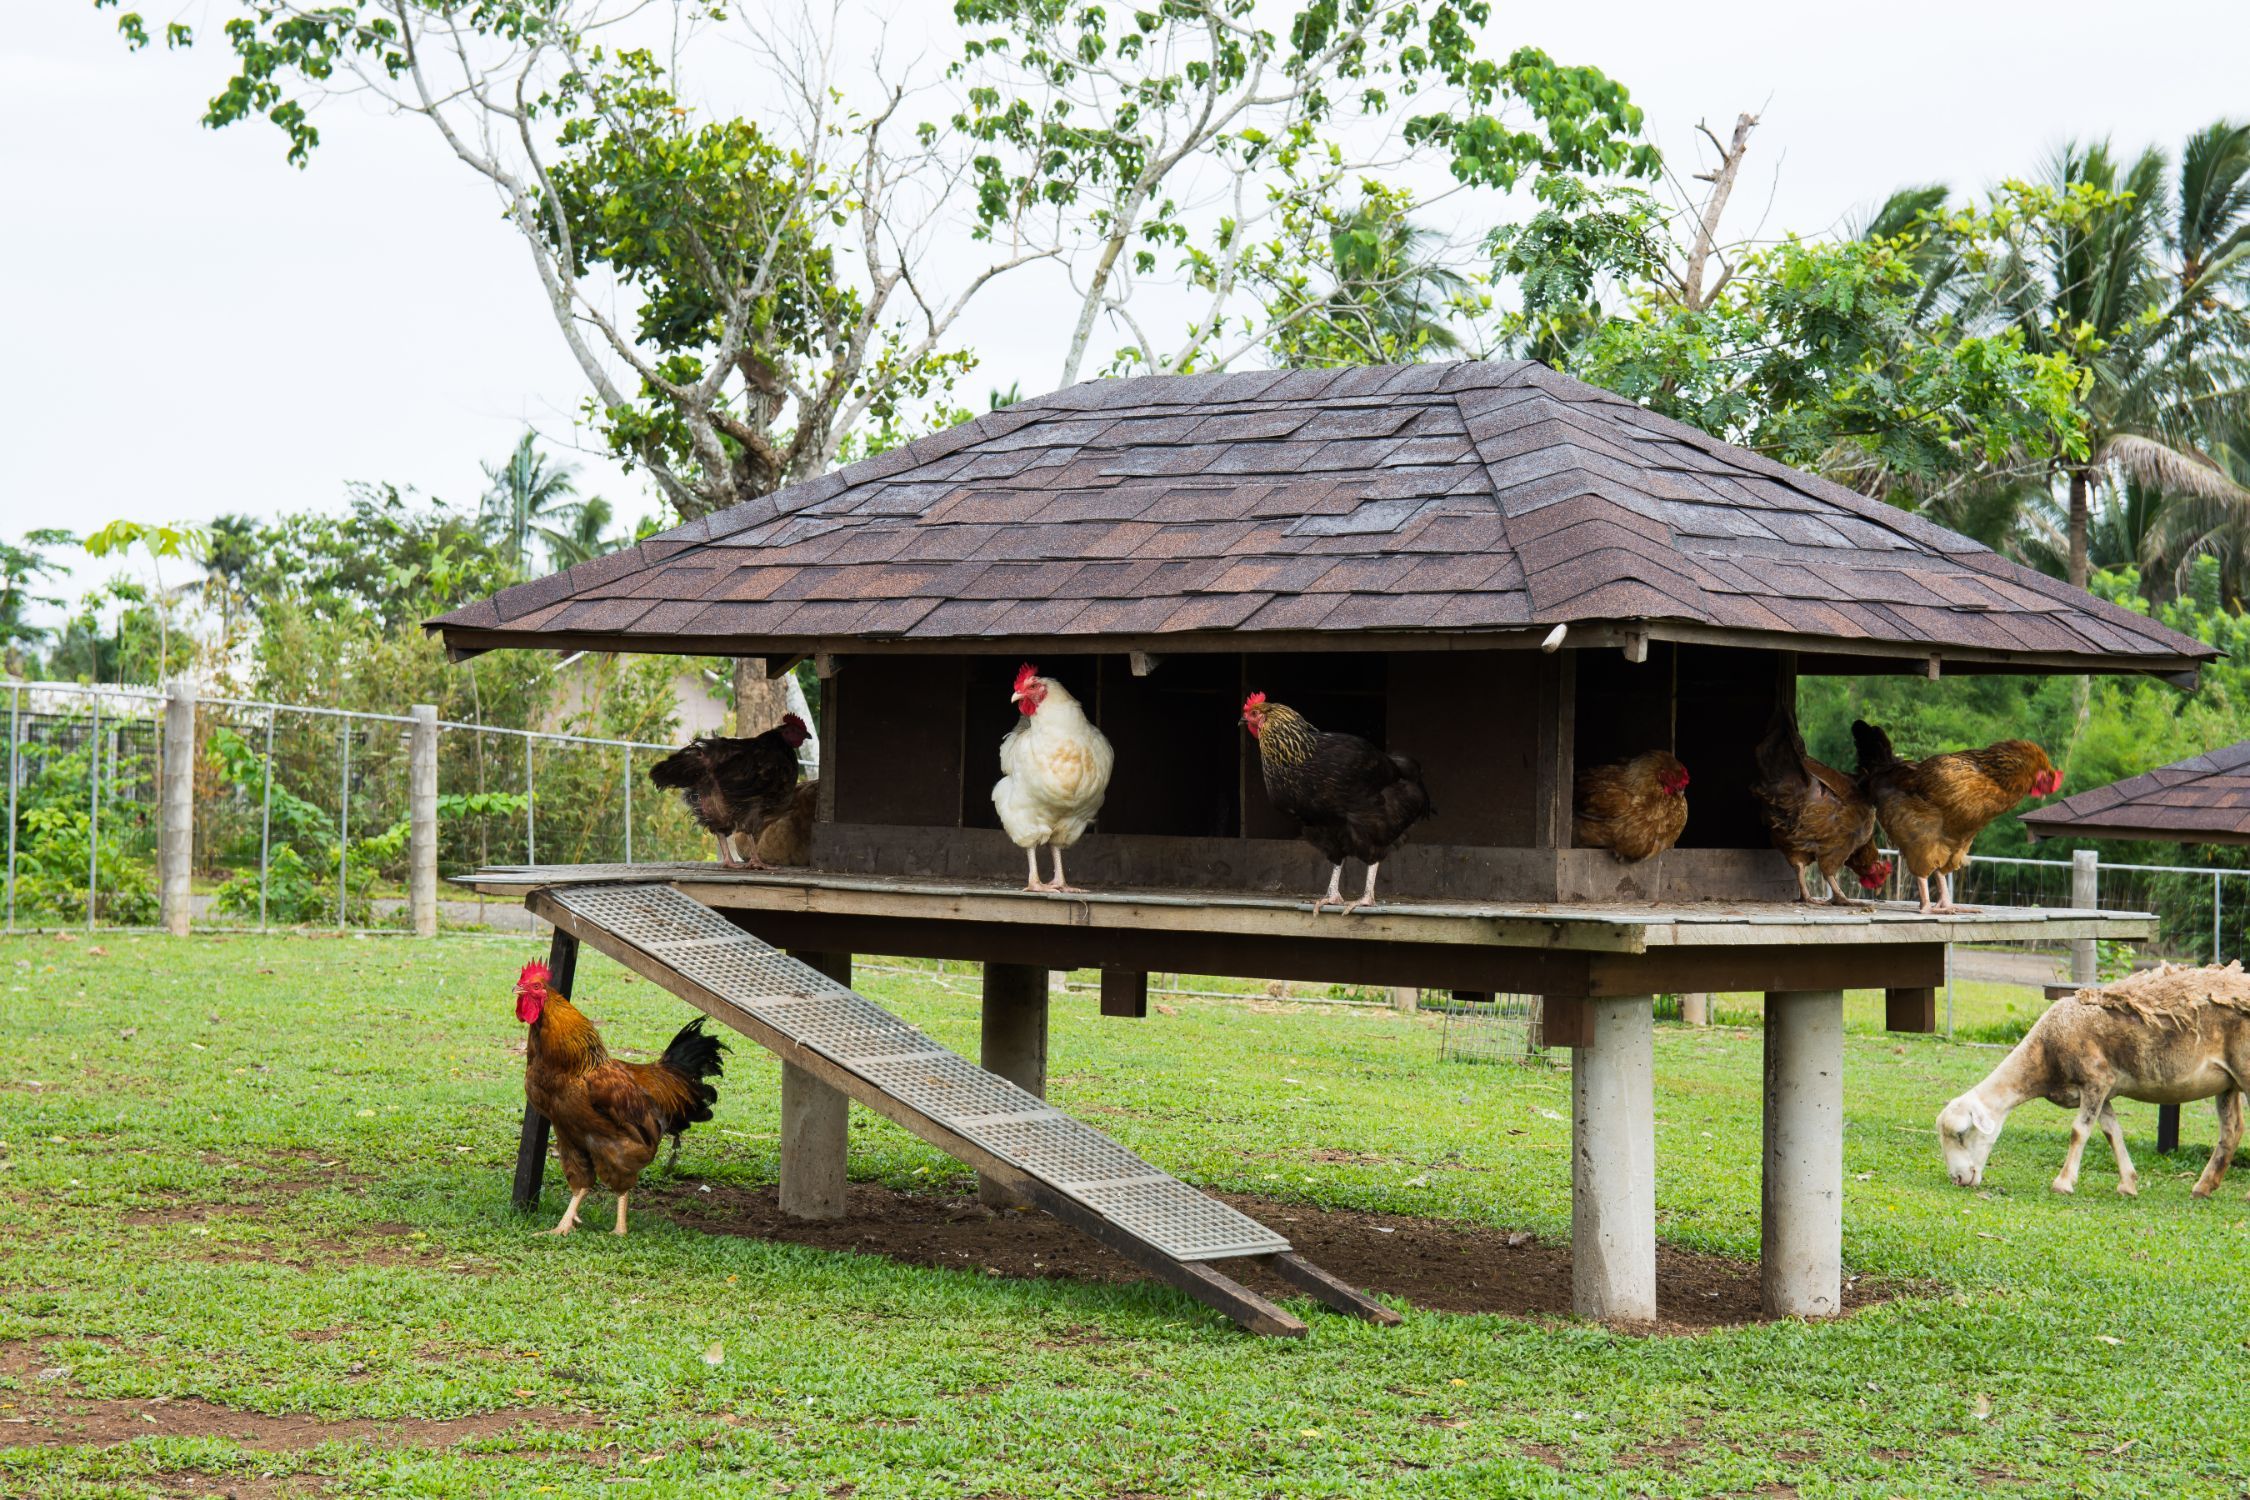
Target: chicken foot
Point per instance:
(569, 1219)
(1335, 895)
(728, 860)
(1944, 904)
(1057, 885)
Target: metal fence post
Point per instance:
(627, 753)
(93, 807)
(344, 826)
(421, 812)
(2085, 894)
(530, 819)
(2217, 956)
(175, 837)
(15, 754)
(265, 823)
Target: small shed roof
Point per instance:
(2204, 800)
(1317, 508)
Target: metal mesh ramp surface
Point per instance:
(889, 1056)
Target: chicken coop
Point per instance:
(1502, 572)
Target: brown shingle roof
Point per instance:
(2205, 800)
(1476, 497)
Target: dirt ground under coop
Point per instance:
(1433, 1264)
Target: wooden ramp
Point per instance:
(1058, 1163)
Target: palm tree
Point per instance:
(2142, 289)
(530, 496)
(1386, 300)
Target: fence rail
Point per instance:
(300, 813)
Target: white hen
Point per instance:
(1054, 771)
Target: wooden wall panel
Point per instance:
(1469, 718)
(897, 744)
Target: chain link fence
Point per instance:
(302, 814)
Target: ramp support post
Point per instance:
(815, 1124)
(531, 1139)
(1014, 1045)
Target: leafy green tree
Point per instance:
(157, 542)
(23, 566)
(1120, 122)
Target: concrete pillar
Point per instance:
(1014, 1046)
(2085, 894)
(1613, 1163)
(175, 842)
(1695, 1008)
(815, 1124)
(1801, 1245)
(1405, 999)
(421, 815)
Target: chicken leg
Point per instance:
(1032, 882)
(1061, 884)
(1335, 896)
(1804, 888)
(1366, 897)
(570, 1215)
(621, 1215)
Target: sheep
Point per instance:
(2164, 1036)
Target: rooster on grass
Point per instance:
(1054, 773)
(735, 787)
(609, 1116)
(1353, 799)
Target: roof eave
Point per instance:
(463, 642)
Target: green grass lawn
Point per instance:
(271, 1175)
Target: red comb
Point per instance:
(1255, 700)
(534, 972)
(1024, 675)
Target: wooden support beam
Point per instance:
(1473, 997)
(1329, 1290)
(815, 1125)
(1013, 1045)
(1143, 662)
(825, 665)
(1125, 993)
(531, 1137)
(1564, 1021)
(781, 666)
(1910, 1007)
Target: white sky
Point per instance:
(192, 326)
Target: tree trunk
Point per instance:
(758, 703)
(2081, 515)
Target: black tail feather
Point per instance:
(695, 1055)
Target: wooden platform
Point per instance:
(1590, 950)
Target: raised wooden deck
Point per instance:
(1547, 948)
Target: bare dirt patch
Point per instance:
(70, 1422)
(1431, 1263)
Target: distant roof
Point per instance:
(1293, 509)
(2205, 800)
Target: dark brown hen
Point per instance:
(736, 786)
(1818, 816)
(1354, 799)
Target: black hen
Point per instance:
(736, 787)
(1355, 800)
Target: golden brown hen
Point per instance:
(1933, 809)
(1818, 817)
(1635, 808)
